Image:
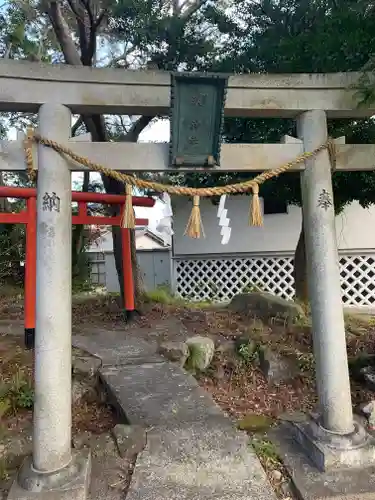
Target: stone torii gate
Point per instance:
(333, 438)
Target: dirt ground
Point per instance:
(239, 388)
(91, 416)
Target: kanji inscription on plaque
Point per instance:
(197, 106)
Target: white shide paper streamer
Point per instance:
(164, 226)
(224, 221)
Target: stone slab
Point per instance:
(109, 472)
(310, 483)
(115, 350)
(193, 451)
(74, 486)
(359, 451)
(199, 461)
(24, 87)
(159, 394)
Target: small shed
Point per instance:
(154, 259)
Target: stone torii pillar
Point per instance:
(332, 438)
(324, 279)
(52, 428)
(53, 472)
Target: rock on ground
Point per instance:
(255, 423)
(369, 411)
(266, 306)
(86, 365)
(276, 367)
(177, 352)
(130, 439)
(83, 389)
(201, 352)
(227, 347)
(362, 370)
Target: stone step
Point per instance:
(193, 452)
(159, 394)
(198, 462)
(114, 350)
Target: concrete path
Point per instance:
(193, 452)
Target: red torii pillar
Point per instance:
(29, 218)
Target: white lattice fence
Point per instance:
(220, 279)
(357, 279)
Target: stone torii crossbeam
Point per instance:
(333, 438)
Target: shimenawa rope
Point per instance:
(194, 228)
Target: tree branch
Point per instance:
(175, 8)
(87, 7)
(192, 9)
(61, 29)
(76, 126)
(94, 124)
(137, 127)
(74, 9)
(100, 18)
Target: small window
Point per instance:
(274, 206)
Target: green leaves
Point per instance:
(16, 394)
(307, 37)
(170, 38)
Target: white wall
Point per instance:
(145, 242)
(279, 233)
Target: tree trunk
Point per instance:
(4, 204)
(117, 253)
(78, 232)
(138, 281)
(300, 270)
(87, 29)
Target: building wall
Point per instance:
(155, 267)
(145, 242)
(279, 232)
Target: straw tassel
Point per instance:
(128, 218)
(28, 146)
(194, 227)
(256, 218)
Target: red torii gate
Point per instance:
(28, 217)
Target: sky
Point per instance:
(156, 132)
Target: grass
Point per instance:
(4, 475)
(16, 397)
(358, 324)
(17, 394)
(10, 291)
(248, 353)
(266, 451)
(163, 295)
